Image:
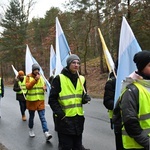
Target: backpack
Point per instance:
(117, 118)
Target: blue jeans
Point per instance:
(22, 107)
(42, 119)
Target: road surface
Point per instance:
(14, 132)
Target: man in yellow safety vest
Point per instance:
(135, 105)
(66, 99)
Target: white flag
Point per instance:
(62, 48)
(15, 71)
(30, 60)
(128, 47)
(52, 61)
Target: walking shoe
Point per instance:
(31, 133)
(48, 136)
(24, 118)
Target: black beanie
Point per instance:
(71, 58)
(142, 59)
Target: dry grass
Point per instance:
(95, 80)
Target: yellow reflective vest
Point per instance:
(143, 116)
(70, 98)
(110, 113)
(22, 86)
(37, 92)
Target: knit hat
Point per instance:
(71, 58)
(35, 67)
(20, 73)
(142, 59)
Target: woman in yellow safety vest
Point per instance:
(35, 100)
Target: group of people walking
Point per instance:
(130, 118)
(67, 95)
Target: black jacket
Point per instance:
(67, 125)
(16, 88)
(109, 93)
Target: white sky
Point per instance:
(40, 8)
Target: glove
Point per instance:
(86, 98)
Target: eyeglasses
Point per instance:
(74, 63)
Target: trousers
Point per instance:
(70, 142)
(41, 114)
(22, 105)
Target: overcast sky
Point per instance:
(40, 8)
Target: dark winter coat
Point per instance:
(67, 125)
(16, 88)
(130, 107)
(109, 93)
(2, 88)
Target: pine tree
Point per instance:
(13, 37)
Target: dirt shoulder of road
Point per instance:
(2, 147)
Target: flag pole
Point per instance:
(107, 55)
(22, 92)
(80, 79)
(81, 82)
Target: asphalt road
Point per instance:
(14, 132)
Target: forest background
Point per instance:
(79, 22)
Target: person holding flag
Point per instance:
(20, 89)
(35, 100)
(66, 98)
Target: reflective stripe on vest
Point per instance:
(22, 86)
(37, 92)
(143, 116)
(0, 86)
(70, 98)
(110, 113)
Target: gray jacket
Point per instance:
(130, 108)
